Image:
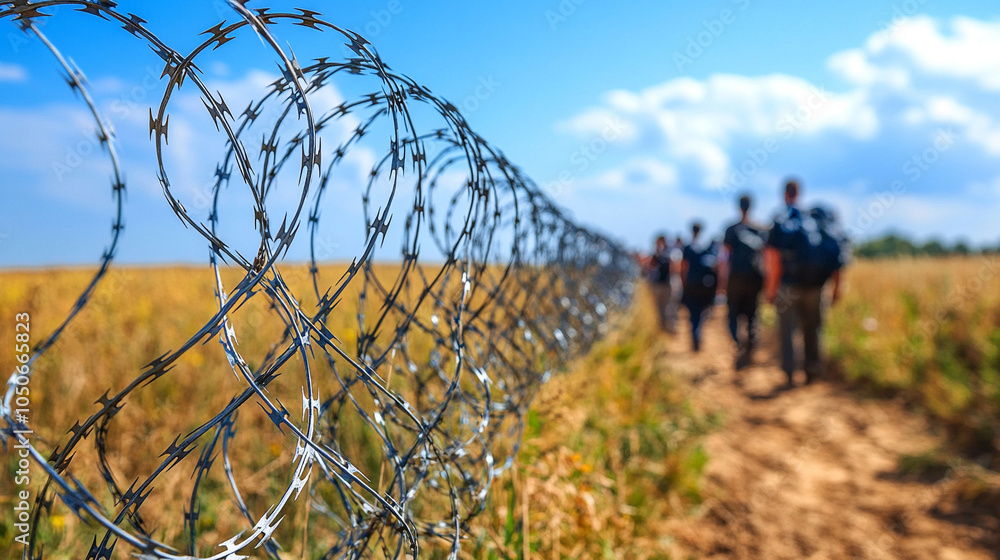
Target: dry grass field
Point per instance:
(136, 315)
(928, 331)
(612, 452)
(609, 436)
(613, 448)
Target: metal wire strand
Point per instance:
(449, 348)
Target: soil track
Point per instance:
(813, 472)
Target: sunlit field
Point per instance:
(927, 330)
(136, 315)
(612, 452)
(612, 448)
(609, 437)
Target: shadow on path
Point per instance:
(805, 472)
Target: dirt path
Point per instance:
(811, 473)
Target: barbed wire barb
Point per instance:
(471, 288)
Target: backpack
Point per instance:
(660, 272)
(702, 278)
(819, 248)
(746, 250)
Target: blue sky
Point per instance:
(635, 116)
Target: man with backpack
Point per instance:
(743, 276)
(699, 275)
(804, 251)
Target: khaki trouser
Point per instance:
(800, 308)
(666, 307)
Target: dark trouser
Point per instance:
(742, 296)
(697, 309)
(800, 307)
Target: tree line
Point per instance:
(900, 245)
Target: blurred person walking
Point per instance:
(660, 269)
(676, 283)
(803, 252)
(742, 274)
(699, 274)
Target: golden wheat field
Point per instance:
(927, 330)
(137, 314)
(611, 448)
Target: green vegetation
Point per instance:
(898, 245)
(612, 452)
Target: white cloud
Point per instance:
(636, 174)
(906, 86)
(697, 123)
(61, 157)
(597, 122)
(64, 164)
(12, 73)
(964, 48)
(853, 66)
(947, 110)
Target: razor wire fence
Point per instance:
(490, 287)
